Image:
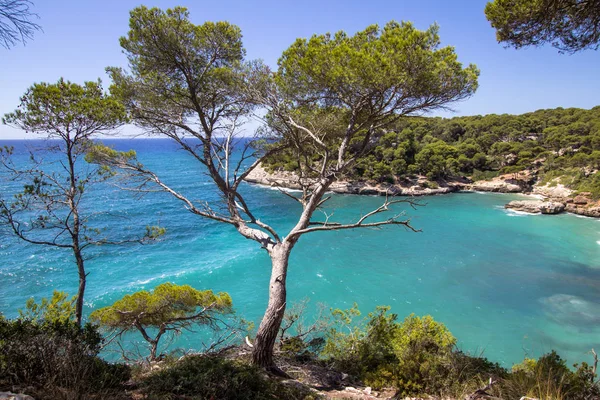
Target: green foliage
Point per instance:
(169, 58)
(301, 339)
(57, 309)
(98, 153)
(169, 308)
(559, 141)
(569, 25)
(165, 303)
(416, 356)
(549, 378)
(437, 160)
(336, 84)
(207, 377)
(57, 358)
(574, 178)
(49, 211)
(375, 62)
(421, 347)
(478, 175)
(84, 109)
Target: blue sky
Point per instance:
(80, 39)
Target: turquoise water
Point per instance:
(504, 283)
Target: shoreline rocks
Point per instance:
(556, 197)
(536, 206)
(498, 186)
(414, 187)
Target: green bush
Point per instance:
(431, 185)
(57, 358)
(46, 351)
(549, 378)
(478, 175)
(211, 377)
(415, 356)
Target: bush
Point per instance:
(483, 175)
(46, 350)
(211, 377)
(415, 356)
(58, 358)
(549, 378)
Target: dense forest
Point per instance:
(552, 143)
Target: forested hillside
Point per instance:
(552, 143)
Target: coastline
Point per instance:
(552, 198)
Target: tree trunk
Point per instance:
(81, 289)
(262, 354)
(75, 229)
(153, 349)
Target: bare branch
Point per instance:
(15, 22)
(361, 223)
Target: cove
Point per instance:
(508, 284)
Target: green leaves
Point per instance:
(67, 110)
(58, 309)
(569, 25)
(177, 69)
(396, 69)
(169, 308)
(106, 156)
(166, 304)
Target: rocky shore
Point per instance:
(552, 198)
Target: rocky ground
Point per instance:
(553, 198)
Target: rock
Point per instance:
(536, 206)
(552, 207)
(585, 211)
(14, 396)
(497, 185)
(556, 190)
(298, 385)
(367, 390)
(581, 200)
(415, 187)
(352, 389)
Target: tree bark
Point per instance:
(81, 289)
(264, 342)
(75, 229)
(153, 349)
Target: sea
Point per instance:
(508, 285)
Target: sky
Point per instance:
(81, 38)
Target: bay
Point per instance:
(506, 284)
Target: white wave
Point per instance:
(514, 213)
(144, 281)
(320, 276)
(583, 216)
(278, 188)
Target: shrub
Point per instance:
(549, 378)
(52, 355)
(45, 349)
(483, 175)
(211, 377)
(415, 356)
